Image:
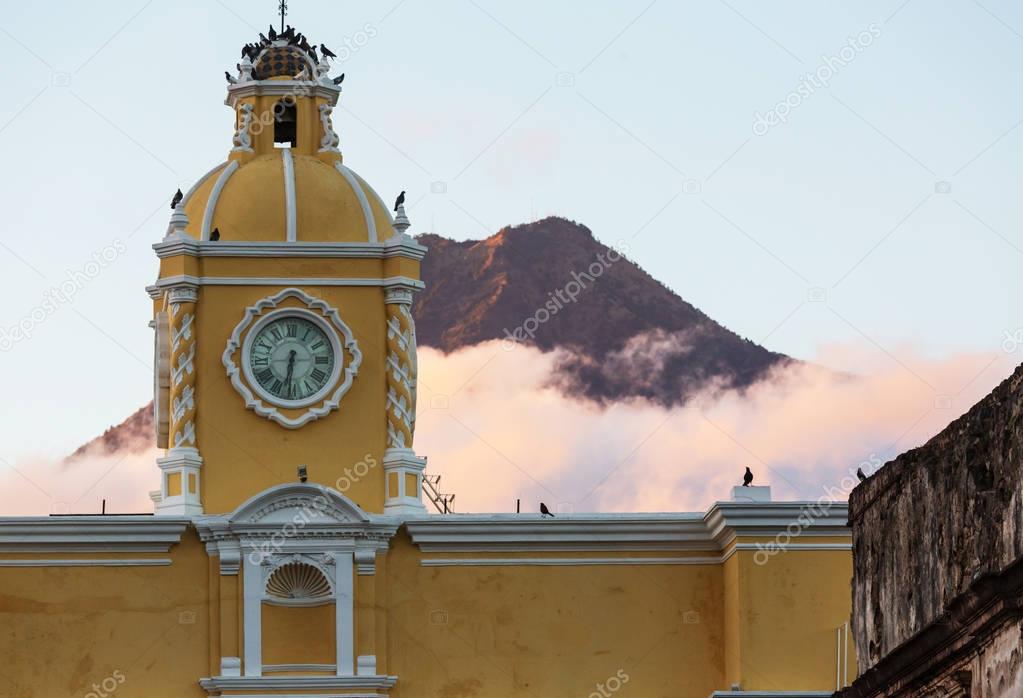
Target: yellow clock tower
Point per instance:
(282, 311)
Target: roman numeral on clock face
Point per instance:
(265, 375)
(322, 360)
(318, 375)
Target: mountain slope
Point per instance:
(550, 284)
(626, 334)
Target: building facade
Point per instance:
(290, 552)
(938, 580)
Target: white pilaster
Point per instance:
(345, 613)
(252, 618)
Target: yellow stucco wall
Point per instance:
(63, 629)
(552, 631)
(786, 613)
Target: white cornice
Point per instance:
(395, 247)
(714, 531)
(90, 533)
(282, 281)
(217, 684)
(117, 562)
(281, 88)
(581, 561)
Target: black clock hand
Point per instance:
(291, 369)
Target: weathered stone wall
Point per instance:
(935, 519)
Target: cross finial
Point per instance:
(283, 7)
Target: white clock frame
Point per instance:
(328, 318)
(314, 318)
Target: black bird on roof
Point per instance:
(262, 38)
(339, 79)
(272, 34)
(289, 33)
(230, 79)
(545, 512)
(215, 235)
(303, 43)
(860, 475)
(312, 52)
(327, 53)
(176, 199)
(747, 478)
(401, 197)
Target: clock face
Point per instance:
(292, 360)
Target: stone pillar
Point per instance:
(179, 489)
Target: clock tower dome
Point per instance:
(284, 337)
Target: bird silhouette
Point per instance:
(327, 53)
(339, 79)
(289, 33)
(262, 38)
(230, 79)
(399, 201)
(860, 475)
(272, 34)
(747, 478)
(544, 511)
(176, 199)
(215, 235)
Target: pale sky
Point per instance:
(894, 187)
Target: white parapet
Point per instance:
(753, 493)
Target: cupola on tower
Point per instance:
(284, 336)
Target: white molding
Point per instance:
(122, 562)
(771, 694)
(394, 247)
(281, 88)
(714, 531)
(216, 685)
(367, 212)
(565, 561)
(610, 561)
(90, 533)
(211, 202)
(235, 344)
(279, 668)
(290, 205)
(286, 281)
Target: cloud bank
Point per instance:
(496, 428)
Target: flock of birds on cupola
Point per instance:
(286, 40)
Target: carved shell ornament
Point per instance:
(292, 358)
(298, 582)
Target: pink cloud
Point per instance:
(495, 430)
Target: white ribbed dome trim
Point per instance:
(384, 206)
(211, 203)
(191, 192)
(290, 205)
(367, 212)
